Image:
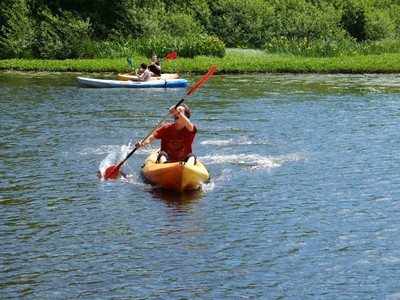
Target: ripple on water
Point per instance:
(303, 198)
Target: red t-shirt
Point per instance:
(177, 143)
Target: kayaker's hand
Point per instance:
(145, 143)
(174, 111)
(139, 144)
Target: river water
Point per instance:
(304, 200)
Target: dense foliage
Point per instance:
(83, 29)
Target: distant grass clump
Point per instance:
(330, 48)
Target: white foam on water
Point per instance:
(394, 296)
(207, 187)
(99, 150)
(134, 179)
(253, 161)
(228, 142)
(277, 161)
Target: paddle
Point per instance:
(171, 56)
(112, 172)
(131, 64)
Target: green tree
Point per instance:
(180, 24)
(103, 14)
(17, 32)
(60, 28)
(353, 18)
(301, 18)
(379, 25)
(240, 23)
(199, 10)
(60, 36)
(139, 19)
(394, 15)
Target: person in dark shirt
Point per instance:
(155, 66)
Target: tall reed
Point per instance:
(330, 48)
(188, 47)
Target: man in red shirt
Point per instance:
(176, 138)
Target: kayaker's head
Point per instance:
(154, 57)
(184, 109)
(143, 66)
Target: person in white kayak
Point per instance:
(143, 74)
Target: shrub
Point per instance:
(60, 37)
(394, 13)
(197, 10)
(354, 19)
(138, 21)
(301, 18)
(18, 34)
(182, 25)
(241, 23)
(379, 25)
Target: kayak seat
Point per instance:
(191, 159)
(163, 158)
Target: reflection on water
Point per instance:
(176, 199)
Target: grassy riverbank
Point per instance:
(236, 61)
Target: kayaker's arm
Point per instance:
(185, 120)
(145, 143)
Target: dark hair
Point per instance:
(187, 110)
(143, 66)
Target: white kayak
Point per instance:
(108, 83)
(129, 76)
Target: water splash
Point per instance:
(115, 157)
(209, 186)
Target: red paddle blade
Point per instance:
(172, 55)
(111, 172)
(202, 80)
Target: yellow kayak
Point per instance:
(128, 76)
(176, 176)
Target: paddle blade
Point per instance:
(172, 55)
(130, 63)
(201, 81)
(112, 172)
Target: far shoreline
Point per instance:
(235, 62)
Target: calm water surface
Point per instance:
(304, 200)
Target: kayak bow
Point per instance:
(176, 176)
